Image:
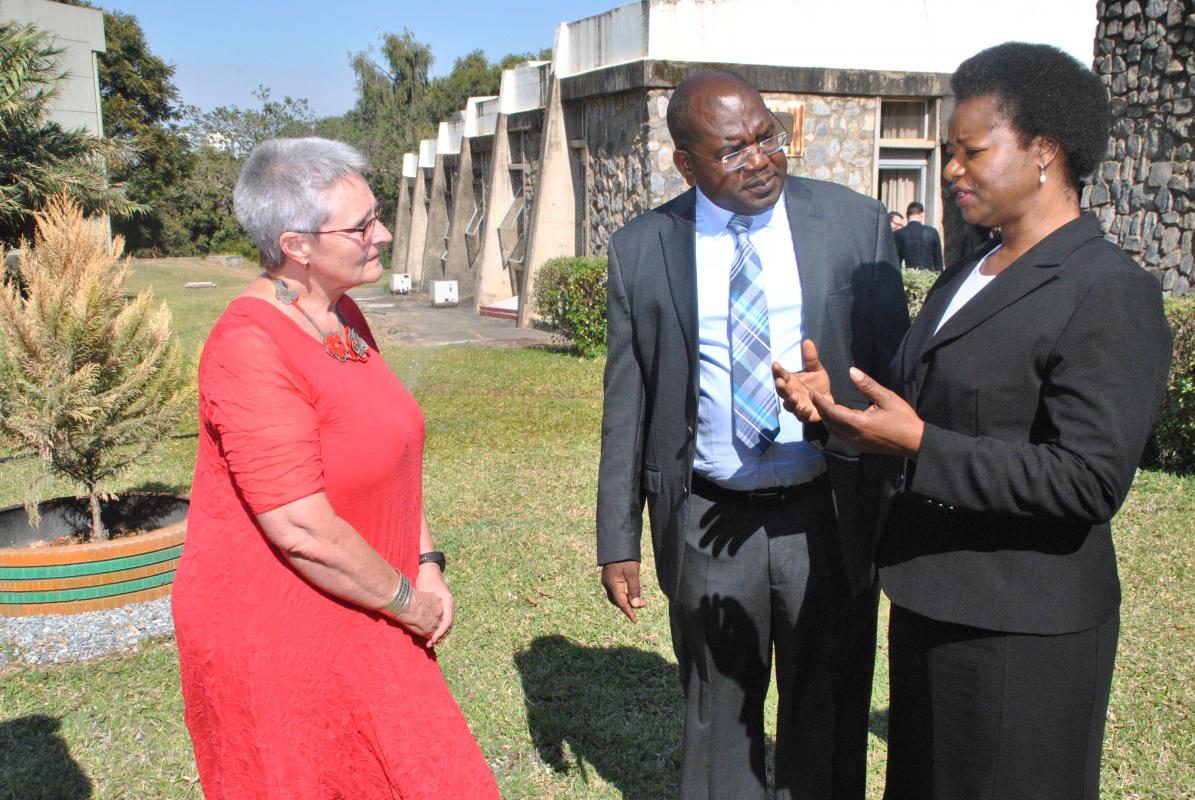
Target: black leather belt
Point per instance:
(770, 496)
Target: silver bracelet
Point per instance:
(401, 599)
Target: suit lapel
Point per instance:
(809, 242)
(1009, 286)
(931, 311)
(1039, 266)
(678, 244)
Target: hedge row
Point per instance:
(570, 295)
(1173, 444)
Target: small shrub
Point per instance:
(917, 284)
(570, 295)
(1173, 445)
(89, 381)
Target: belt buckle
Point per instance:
(768, 495)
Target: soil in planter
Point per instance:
(67, 520)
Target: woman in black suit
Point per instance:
(1028, 386)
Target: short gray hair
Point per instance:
(282, 188)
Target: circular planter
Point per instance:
(70, 579)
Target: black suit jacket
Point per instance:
(1038, 396)
(919, 246)
(854, 309)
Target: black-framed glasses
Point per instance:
(735, 161)
(362, 230)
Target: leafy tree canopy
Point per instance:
(141, 108)
(398, 103)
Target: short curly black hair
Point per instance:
(1043, 92)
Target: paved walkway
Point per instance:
(411, 319)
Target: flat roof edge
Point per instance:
(653, 74)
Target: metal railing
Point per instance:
(473, 232)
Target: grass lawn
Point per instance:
(566, 698)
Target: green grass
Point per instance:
(566, 698)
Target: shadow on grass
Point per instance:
(36, 763)
(615, 710)
(877, 723)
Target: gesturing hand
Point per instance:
(889, 425)
(621, 579)
(795, 388)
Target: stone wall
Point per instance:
(630, 166)
(621, 158)
(1144, 192)
(839, 140)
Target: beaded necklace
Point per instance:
(342, 345)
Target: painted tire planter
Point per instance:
(71, 579)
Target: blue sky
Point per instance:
(223, 50)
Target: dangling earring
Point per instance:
(1041, 179)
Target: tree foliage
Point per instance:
(141, 108)
(398, 104)
(88, 380)
(237, 131)
(39, 158)
(197, 211)
(392, 113)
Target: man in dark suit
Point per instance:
(763, 530)
(918, 244)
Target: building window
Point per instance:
(906, 155)
(904, 119)
(901, 183)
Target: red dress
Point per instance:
(290, 692)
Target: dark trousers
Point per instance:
(757, 579)
(985, 714)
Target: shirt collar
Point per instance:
(712, 218)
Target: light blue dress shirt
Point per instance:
(720, 457)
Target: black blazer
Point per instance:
(854, 309)
(1038, 397)
(919, 246)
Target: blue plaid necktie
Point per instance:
(756, 407)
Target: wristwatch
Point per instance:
(433, 557)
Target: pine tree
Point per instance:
(90, 381)
(38, 158)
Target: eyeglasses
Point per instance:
(363, 230)
(739, 158)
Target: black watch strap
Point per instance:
(433, 557)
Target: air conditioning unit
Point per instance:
(400, 283)
(444, 293)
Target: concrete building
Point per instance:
(419, 202)
(579, 144)
(403, 213)
(79, 33)
(514, 179)
(465, 226)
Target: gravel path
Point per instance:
(61, 638)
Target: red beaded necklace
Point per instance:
(343, 345)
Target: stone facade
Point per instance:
(624, 152)
(1144, 192)
(840, 135)
(630, 166)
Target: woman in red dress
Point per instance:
(309, 596)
